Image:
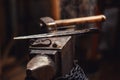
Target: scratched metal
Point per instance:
(59, 33)
(61, 42)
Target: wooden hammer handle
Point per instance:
(76, 21)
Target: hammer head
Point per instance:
(47, 24)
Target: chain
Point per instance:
(76, 73)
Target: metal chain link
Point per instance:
(76, 73)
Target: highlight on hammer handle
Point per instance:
(77, 21)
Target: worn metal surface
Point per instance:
(67, 57)
(60, 42)
(59, 33)
(41, 67)
(62, 55)
(48, 24)
(55, 55)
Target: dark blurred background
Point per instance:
(98, 55)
